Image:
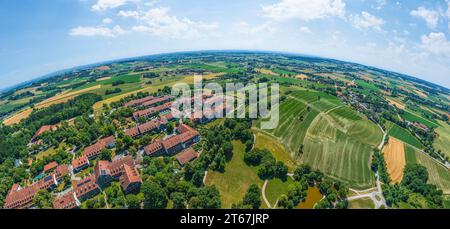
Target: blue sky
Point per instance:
(41, 36)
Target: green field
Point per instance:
(238, 176)
(342, 153)
(127, 79)
(410, 155)
(212, 68)
(275, 188)
(438, 174)
(442, 141)
(415, 118)
(279, 152)
(404, 135)
(335, 139)
(363, 203)
(367, 86)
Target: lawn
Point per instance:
(404, 135)
(236, 179)
(265, 141)
(363, 203)
(277, 187)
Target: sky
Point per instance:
(38, 37)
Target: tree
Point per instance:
(133, 201)
(106, 155)
(207, 198)
(285, 202)
(154, 195)
(281, 170)
(179, 200)
(43, 200)
(253, 197)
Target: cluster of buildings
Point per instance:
(186, 136)
(123, 170)
(19, 198)
(418, 125)
(154, 126)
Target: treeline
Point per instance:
(21, 95)
(335, 192)
(58, 112)
(413, 192)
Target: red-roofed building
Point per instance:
(187, 156)
(93, 151)
(133, 132)
(50, 166)
(116, 167)
(102, 173)
(81, 191)
(157, 101)
(147, 113)
(138, 102)
(148, 127)
(23, 197)
(105, 172)
(86, 188)
(130, 179)
(174, 144)
(80, 163)
(42, 130)
(154, 149)
(67, 201)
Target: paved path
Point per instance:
(264, 194)
(204, 178)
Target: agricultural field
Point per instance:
(404, 135)
(237, 177)
(410, 155)
(442, 141)
(328, 136)
(438, 174)
(394, 155)
(16, 118)
(415, 118)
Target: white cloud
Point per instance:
(304, 9)
(431, 17)
(436, 43)
(380, 4)
(245, 28)
(102, 5)
(366, 21)
(130, 13)
(158, 22)
(97, 31)
(107, 21)
(305, 29)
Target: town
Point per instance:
(155, 114)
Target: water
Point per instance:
(313, 196)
